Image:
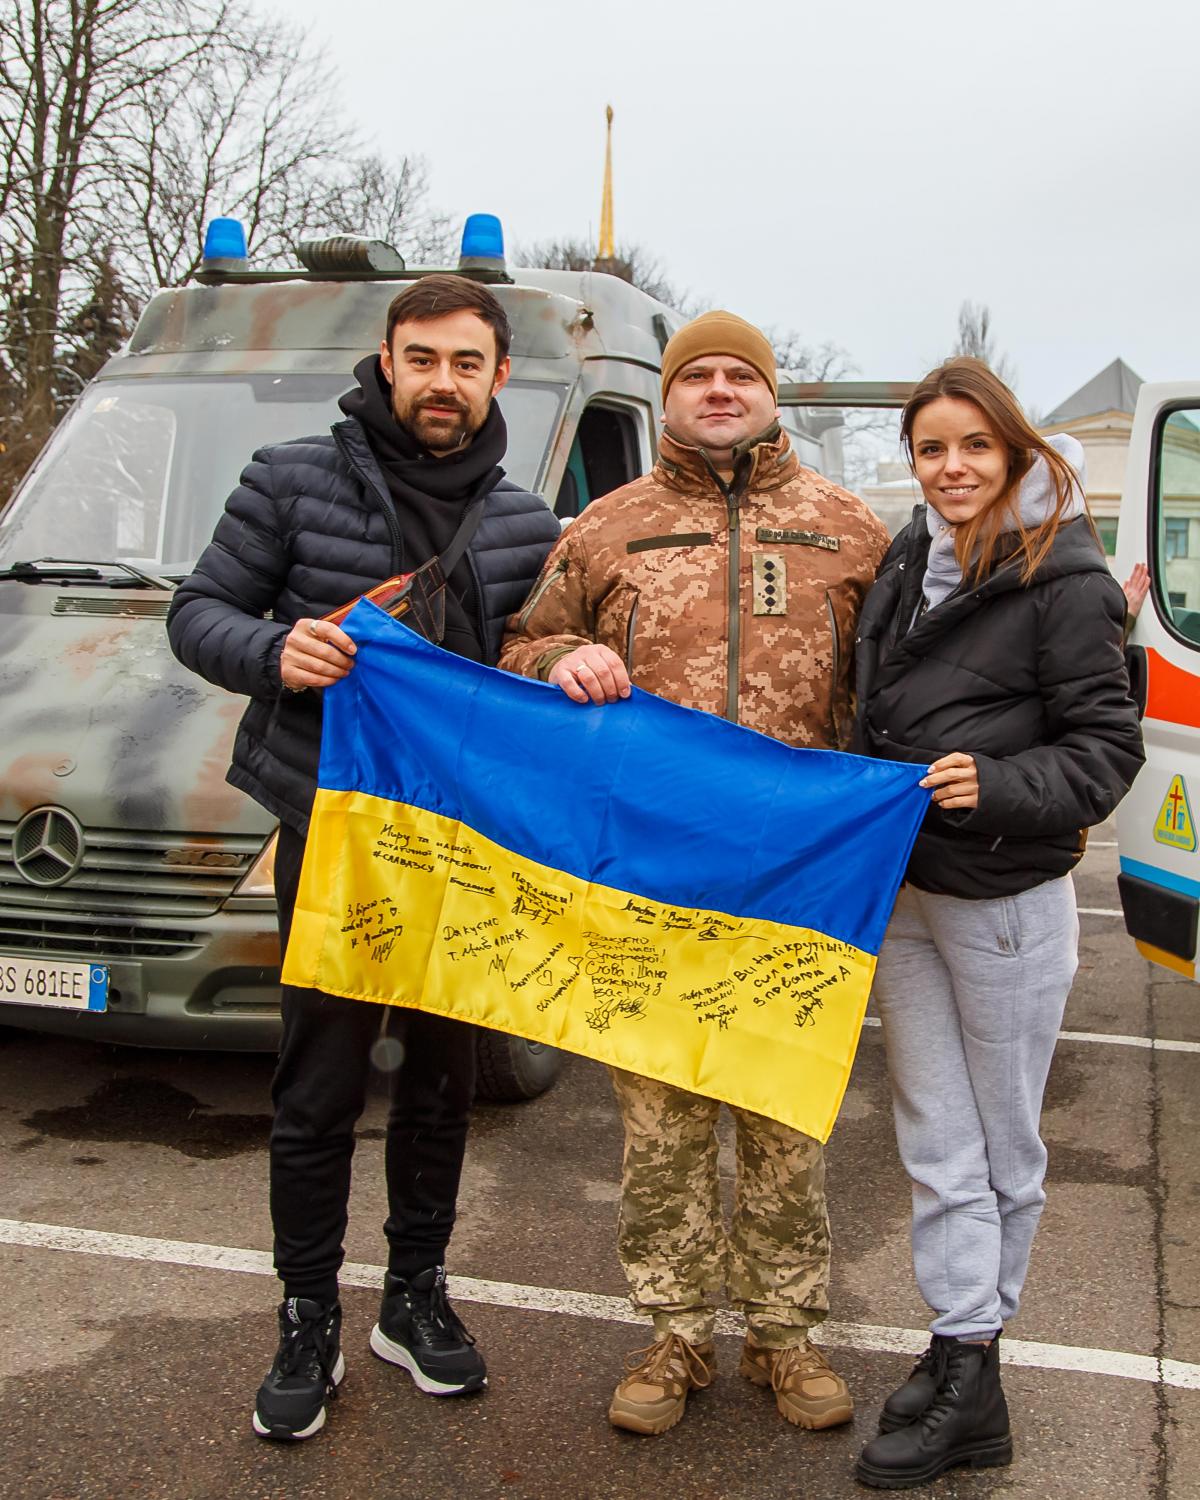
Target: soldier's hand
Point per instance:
(591, 674)
(316, 654)
(956, 778)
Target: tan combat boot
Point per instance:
(807, 1391)
(654, 1393)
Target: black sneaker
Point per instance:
(420, 1331)
(307, 1370)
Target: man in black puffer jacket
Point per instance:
(313, 524)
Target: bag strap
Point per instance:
(461, 540)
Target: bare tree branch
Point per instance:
(975, 338)
(125, 125)
(632, 263)
(867, 435)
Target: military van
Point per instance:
(136, 898)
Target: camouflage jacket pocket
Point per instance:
(616, 622)
(549, 579)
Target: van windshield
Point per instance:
(141, 468)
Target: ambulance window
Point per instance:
(604, 456)
(1177, 524)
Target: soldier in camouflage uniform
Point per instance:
(728, 579)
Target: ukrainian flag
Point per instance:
(638, 882)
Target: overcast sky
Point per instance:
(852, 170)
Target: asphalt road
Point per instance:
(130, 1363)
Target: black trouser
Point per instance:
(319, 1091)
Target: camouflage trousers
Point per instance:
(673, 1243)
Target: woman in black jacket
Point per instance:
(990, 646)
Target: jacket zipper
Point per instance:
(629, 629)
(733, 492)
(559, 568)
(380, 492)
(835, 733)
(734, 643)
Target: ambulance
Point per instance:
(1159, 878)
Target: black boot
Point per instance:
(965, 1423)
(908, 1401)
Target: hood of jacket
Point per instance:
(901, 578)
(763, 462)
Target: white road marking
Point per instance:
(866, 1336)
(1151, 1043)
(1099, 911)
(1109, 1038)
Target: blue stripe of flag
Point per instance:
(642, 794)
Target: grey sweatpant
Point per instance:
(971, 994)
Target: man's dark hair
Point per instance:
(435, 296)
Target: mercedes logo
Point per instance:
(48, 846)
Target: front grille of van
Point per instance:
(132, 876)
(95, 941)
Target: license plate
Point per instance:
(25, 981)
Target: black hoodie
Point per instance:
(1029, 679)
(311, 526)
(430, 493)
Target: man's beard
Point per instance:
(438, 434)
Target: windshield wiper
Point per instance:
(82, 569)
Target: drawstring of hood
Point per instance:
(1036, 501)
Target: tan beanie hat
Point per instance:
(718, 333)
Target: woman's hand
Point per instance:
(955, 779)
(1136, 587)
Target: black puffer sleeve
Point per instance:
(217, 625)
(1093, 746)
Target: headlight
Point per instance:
(260, 878)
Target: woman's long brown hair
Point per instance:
(967, 379)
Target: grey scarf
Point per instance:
(1035, 502)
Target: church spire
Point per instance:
(606, 250)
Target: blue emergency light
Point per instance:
(225, 245)
(482, 245)
(483, 238)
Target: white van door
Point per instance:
(1156, 824)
